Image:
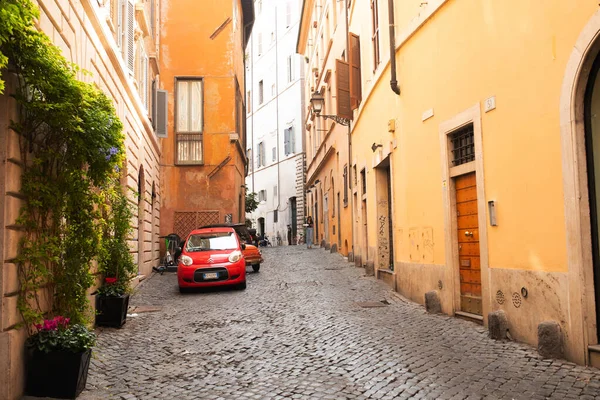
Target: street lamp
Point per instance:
(317, 101)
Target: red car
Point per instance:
(212, 257)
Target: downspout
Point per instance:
(393, 80)
(352, 219)
(277, 113)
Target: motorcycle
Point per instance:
(264, 241)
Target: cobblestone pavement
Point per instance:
(298, 332)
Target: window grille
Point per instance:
(363, 181)
(462, 145)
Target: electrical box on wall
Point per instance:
(492, 212)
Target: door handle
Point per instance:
(468, 234)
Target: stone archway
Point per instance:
(582, 303)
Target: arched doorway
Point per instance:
(140, 195)
(579, 138)
(592, 150)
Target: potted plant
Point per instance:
(115, 262)
(58, 358)
(112, 301)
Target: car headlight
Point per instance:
(235, 256)
(186, 260)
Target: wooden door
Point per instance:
(468, 244)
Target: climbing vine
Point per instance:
(72, 150)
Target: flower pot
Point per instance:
(59, 374)
(111, 311)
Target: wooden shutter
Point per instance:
(119, 21)
(343, 89)
(292, 141)
(161, 113)
(286, 141)
(153, 105)
(130, 53)
(355, 78)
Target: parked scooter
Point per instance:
(264, 241)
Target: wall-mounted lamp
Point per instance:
(375, 146)
(318, 101)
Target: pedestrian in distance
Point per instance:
(309, 232)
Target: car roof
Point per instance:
(223, 226)
(213, 229)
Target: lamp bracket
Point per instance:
(338, 120)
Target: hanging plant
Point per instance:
(72, 147)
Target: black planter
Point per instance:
(111, 311)
(58, 374)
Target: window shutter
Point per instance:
(343, 89)
(153, 112)
(355, 77)
(130, 54)
(292, 141)
(286, 141)
(274, 154)
(145, 80)
(161, 113)
(119, 21)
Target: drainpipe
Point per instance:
(393, 81)
(351, 200)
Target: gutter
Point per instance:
(393, 80)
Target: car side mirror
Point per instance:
(243, 246)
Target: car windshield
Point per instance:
(243, 234)
(211, 241)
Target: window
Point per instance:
(288, 140)
(363, 181)
(355, 176)
(375, 37)
(462, 145)
(262, 195)
(274, 154)
(355, 78)
(189, 121)
(346, 185)
(275, 215)
(258, 7)
(260, 156)
(290, 68)
(260, 92)
(288, 14)
(259, 43)
(248, 102)
(142, 75)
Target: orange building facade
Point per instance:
(203, 164)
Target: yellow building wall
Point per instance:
(448, 61)
(504, 47)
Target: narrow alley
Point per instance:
(310, 325)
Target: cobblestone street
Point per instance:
(298, 332)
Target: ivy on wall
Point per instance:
(75, 213)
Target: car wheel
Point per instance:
(242, 286)
(255, 267)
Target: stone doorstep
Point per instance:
(594, 355)
(478, 319)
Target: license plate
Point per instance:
(211, 275)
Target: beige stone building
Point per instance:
(473, 158)
(117, 41)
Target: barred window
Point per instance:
(462, 145)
